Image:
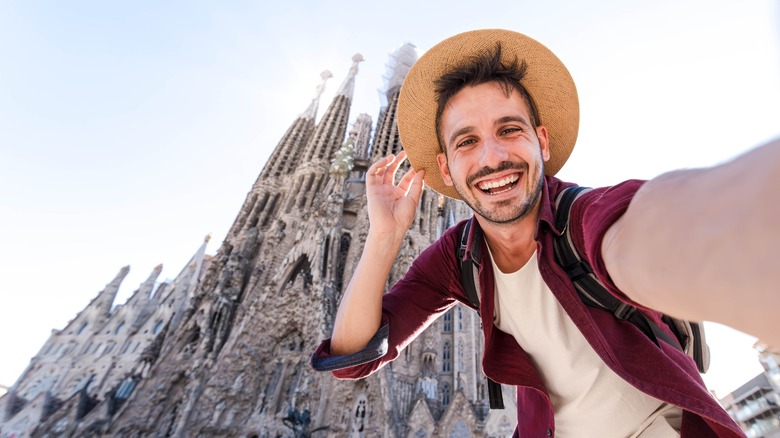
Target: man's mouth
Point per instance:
(501, 185)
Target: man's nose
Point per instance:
(493, 152)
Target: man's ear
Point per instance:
(444, 169)
(544, 142)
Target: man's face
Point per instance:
(494, 156)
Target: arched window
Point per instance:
(359, 421)
(81, 329)
(157, 327)
(460, 318)
(445, 394)
(461, 362)
(119, 328)
(68, 348)
(325, 252)
(448, 321)
(446, 357)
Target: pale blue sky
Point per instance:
(129, 131)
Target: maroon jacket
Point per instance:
(432, 285)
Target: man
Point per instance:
(489, 117)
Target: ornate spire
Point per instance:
(348, 86)
(287, 153)
(330, 131)
(144, 292)
(105, 299)
(188, 277)
(311, 111)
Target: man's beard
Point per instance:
(509, 211)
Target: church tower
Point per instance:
(234, 360)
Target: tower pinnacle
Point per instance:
(348, 86)
(311, 111)
(286, 156)
(105, 298)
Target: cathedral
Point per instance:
(223, 349)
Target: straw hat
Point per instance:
(547, 81)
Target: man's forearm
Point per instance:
(704, 244)
(360, 310)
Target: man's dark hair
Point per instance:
(482, 68)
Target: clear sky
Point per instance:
(129, 130)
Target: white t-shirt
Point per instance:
(589, 399)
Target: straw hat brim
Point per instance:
(547, 81)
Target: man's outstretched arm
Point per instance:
(704, 244)
(391, 210)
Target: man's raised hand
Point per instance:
(391, 208)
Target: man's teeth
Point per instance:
(485, 186)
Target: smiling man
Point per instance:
(487, 123)
(490, 117)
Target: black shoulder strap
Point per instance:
(469, 279)
(469, 273)
(591, 290)
(495, 396)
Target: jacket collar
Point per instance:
(551, 186)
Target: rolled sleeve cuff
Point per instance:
(377, 347)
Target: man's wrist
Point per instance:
(385, 241)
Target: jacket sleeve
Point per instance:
(430, 287)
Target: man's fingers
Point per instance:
(415, 189)
(406, 180)
(377, 171)
(383, 171)
(393, 167)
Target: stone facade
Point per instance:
(226, 352)
(101, 354)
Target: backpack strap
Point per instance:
(469, 273)
(591, 290)
(495, 396)
(469, 279)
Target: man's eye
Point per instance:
(465, 143)
(510, 130)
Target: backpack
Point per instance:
(689, 336)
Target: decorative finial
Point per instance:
(311, 111)
(349, 83)
(325, 75)
(357, 58)
(207, 238)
